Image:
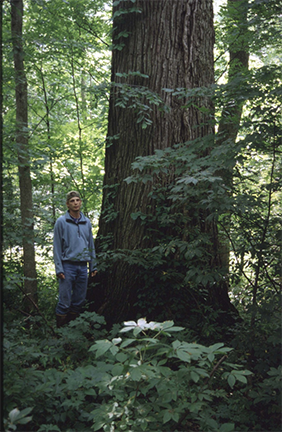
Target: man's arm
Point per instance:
(57, 250)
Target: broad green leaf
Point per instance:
(122, 357)
(195, 377)
(14, 414)
(212, 423)
(175, 329)
(167, 325)
(167, 416)
(210, 357)
(127, 342)
(227, 427)
(183, 355)
(101, 347)
(135, 374)
(117, 370)
(19, 417)
(240, 377)
(175, 416)
(231, 380)
(176, 344)
(114, 349)
(216, 346)
(24, 420)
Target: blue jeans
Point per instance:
(72, 289)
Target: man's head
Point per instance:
(74, 203)
(72, 194)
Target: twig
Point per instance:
(217, 366)
(37, 308)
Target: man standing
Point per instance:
(73, 249)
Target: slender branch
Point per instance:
(88, 30)
(216, 367)
(71, 175)
(43, 118)
(37, 308)
(234, 250)
(266, 225)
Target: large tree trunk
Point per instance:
(26, 205)
(171, 42)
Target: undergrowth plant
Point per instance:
(159, 385)
(147, 376)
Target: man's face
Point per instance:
(74, 204)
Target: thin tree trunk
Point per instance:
(80, 142)
(52, 176)
(26, 203)
(232, 111)
(238, 65)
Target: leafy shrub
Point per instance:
(85, 377)
(156, 385)
(45, 372)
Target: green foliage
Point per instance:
(17, 417)
(67, 64)
(148, 374)
(136, 97)
(174, 378)
(66, 385)
(44, 372)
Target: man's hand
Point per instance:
(94, 273)
(61, 276)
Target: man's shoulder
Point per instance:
(61, 219)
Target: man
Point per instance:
(73, 249)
